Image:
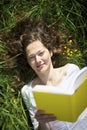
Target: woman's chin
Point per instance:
(42, 68)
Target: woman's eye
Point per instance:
(41, 53)
(31, 58)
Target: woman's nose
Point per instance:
(37, 58)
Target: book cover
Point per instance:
(66, 104)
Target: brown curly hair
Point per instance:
(42, 33)
(24, 33)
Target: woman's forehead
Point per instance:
(34, 47)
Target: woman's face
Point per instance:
(39, 57)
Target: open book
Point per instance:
(66, 102)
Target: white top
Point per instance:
(28, 97)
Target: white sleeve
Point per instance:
(72, 68)
(29, 101)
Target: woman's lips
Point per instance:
(40, 66)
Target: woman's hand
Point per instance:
(43, 117)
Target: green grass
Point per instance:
(67, 17)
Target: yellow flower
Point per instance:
(75, 50)
(68, 50)
(65, 47)
(71, 52)
(70, 41)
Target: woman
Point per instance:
(37, 46)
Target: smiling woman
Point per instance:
(36, 44)
(38, 47)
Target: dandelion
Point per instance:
(65, 47)
(71, 52)
(68, 50)
(75, 50)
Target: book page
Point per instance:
(68, 86)
(80, 77)
(51, 89)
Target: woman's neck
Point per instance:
(53, 77)
(47, 77)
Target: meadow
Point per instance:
(68, 17)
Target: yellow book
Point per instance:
(66, 104)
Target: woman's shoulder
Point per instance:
(26, 87)
(69, 67)
(72, 68)
(29, 85)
